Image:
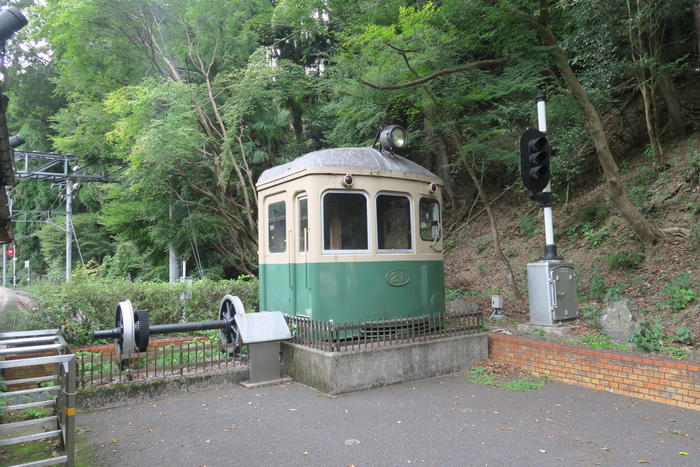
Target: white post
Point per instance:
(69, 229)
(173, 265)
(4, 264)
(550, 248)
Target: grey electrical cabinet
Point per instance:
(552, 290)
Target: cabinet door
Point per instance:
(564, 301)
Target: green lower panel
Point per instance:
(353, 291)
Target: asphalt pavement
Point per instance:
(446, 421)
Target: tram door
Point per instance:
(278, 285)
(302, 287)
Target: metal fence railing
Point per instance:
(183, 358)
(23, 352)
(356, 335)
(102, 368)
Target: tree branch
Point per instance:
(444, 71)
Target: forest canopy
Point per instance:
(191, 100)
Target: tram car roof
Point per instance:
(341, 160)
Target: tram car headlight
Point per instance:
(393, 137)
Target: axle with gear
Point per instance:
(132, 331)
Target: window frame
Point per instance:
(303, 242)
(323, 223)
(439, 221)
(269, 223)
(410, 220)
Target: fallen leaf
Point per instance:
(683, 453)
(542, 451)
(643, 462)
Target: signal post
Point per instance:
(551, 281)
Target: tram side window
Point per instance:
(345, 222)
(303, 223)
(277, 227)
(429, 218)
(393, 222)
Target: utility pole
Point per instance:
(173, 266)
(69, 228)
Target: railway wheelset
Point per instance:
(132, 331)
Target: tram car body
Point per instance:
(350, 234)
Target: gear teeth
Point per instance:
(144, 332)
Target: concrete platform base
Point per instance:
(260, 384)
(341, 372)
(559, 330)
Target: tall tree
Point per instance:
(174, 87)
(650, 236)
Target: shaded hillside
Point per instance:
(589, 231)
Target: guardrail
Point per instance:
(102, 368)
(356, 335)
(27, 349)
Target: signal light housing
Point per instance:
(534, 160)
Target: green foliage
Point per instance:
(479, 375)
(651, 336)
(628, 260)
(125, 263)
(640, 195)
(589, 311)
(596, 284)
(594, 214)
(683, 335)
(482, 243)
(596, 237)
(521, 384)
(32, 413)
(529, 226)
(93, 241)
(454, 294)
(679, 293)
(86, 303)
(601, 341)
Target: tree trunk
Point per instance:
(459, 143)
(492, 219)
(442, 161)
(650, 236)
(697, 26)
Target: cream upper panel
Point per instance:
(311, 188)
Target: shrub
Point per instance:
(629, 260)
(86, 303)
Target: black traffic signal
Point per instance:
(10, 252)
(534, 160)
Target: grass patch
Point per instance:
(479, 375)
(601, 341)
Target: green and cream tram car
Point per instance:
(350, 234)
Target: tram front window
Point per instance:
(429, 219)
(393, 223)
(345, 222)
